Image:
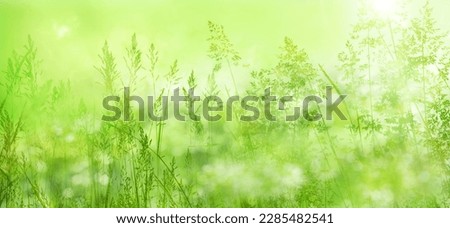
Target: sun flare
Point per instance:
(384, 7)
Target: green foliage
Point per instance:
(391, 152)
(108, 70)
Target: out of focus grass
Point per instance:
(391, 152)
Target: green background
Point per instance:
(392, 152)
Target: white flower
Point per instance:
(81, 179)
(292, 176)
(381, 197)
(103, 179)
(67, 193)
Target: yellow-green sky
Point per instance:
(69, 34)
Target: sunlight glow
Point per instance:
(384, 7)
